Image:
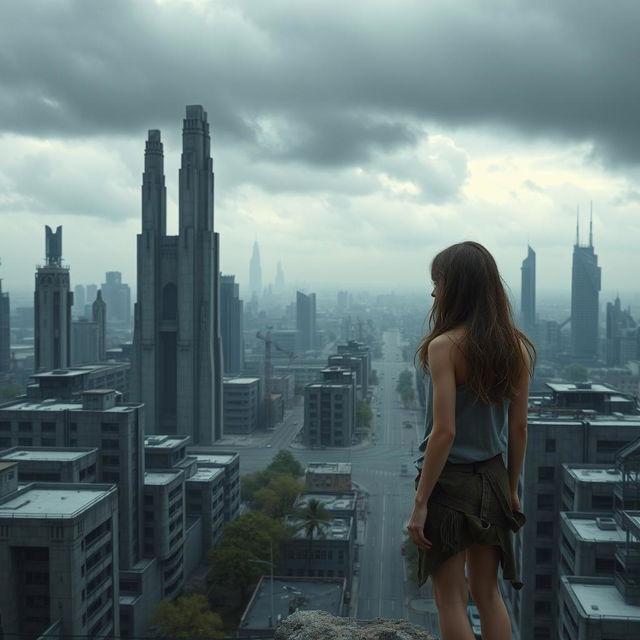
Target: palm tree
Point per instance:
(313, 519)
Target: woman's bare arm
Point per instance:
(518, 410)
(443, 433)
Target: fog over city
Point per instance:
(353, 140)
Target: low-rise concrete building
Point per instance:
(52, 464)
(328, 476)
(588, 487)
(241, 405)
(59, 554)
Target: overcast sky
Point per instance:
(352, 139)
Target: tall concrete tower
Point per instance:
(231, 322)
(306, 320)
(585, 290)
(528, 293)
(99, 314)
(177, 359)
(255, 272)
(52, 307)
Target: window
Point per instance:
(5, 425)
(543, 555)
(48, 427)
(544, 529)
(550, 445)
(546, 474)
(543, 581)
(25, 427)
(545, 501)
(542, 607)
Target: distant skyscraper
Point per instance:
(85, 338)
(306, 320)
(99, 314)
(52, 308)
(231, 320)
(78, 300)
(255, 272)
(621, 337)
(528, 292)
(585, 289)
(279, 278)
(5, 331)
(117, 297)
(177, 358)
(91, 293)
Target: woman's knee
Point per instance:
(484, 593)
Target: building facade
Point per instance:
(306, 321)
(231, 325)
(177, 356)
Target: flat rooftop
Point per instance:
(165, 442)
(204, 474)
(51, 502)
(587, 529)
(57, 405)
(594, 387)
(335, 529)
(328, 467)
(241, 380)
(159, 478)
(332, 501)
(47, 455)
(602, 600)
(585, 474)
(313, 593)
(212, 458)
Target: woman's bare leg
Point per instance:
(482, 570)
(452, 595)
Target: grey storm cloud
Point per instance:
(352, 78)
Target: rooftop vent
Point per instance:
(606, 524)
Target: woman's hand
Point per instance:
(416, 526)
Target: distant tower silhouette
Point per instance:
(306, 320)
(585, 290)
(99, 314)
(528, 292)
(231, 320)
(5, 330)
(279, 284)
(177, 359)
(78, 300)
(52, 307)
(255, 272)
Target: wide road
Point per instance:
(383, 590)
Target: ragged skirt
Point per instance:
(470, 504)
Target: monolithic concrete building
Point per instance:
(231, 325)
(241, 404)
(78, 300)
(59, 554)
(53, 464)
(52, 307)
(85, 341)
(358, 350)
(528, 293)
(5, 330)
(306, 321)
(589, 487)
(585, 291)
(177, 358)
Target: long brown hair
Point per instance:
(470, 292)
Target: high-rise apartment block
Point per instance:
(306, 320)
(231, 325)
(585, 291)
(622, 335)
(528, 293)
(575, 426)
(52, 307)
(177, 358)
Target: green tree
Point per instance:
(364, 415)
(276, 498)
(576, 373)
(250, 483)
(405, 379)
(313, 519)
(188, 617)
(285, 462)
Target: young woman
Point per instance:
(466, 503)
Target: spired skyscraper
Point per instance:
(177, 358)
(52, 307)
(585, 290)
(528, 293)
(255, 272)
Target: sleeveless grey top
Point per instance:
(481, 429)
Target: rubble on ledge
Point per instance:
(320, 625)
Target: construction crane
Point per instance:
(267, 370)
